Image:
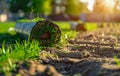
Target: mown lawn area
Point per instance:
(5, 26)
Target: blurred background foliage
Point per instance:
(35, 6)
(71, 7)
(75, 9)
(68, 6)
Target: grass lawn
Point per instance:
(17, 50)
(5, 26)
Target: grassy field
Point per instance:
(5, 26)
(14, 49)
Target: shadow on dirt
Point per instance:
(85, 67)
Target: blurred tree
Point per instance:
(117, 6)
(35, 6)
(41, 6)
(58, 6)
(19, 5)
(75, 7)
(100, 7)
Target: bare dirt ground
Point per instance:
(89, 54)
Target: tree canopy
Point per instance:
(75, 7)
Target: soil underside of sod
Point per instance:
(89, 54)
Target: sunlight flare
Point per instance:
(90, 4)
(109, 6)
(109, 3)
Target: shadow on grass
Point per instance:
(8, 38)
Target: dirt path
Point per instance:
(89, 54)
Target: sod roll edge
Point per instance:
(45, 31)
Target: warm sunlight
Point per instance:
(109, 3)
(90, 3)
(109, 6)
(105, 6)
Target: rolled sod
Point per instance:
(45, 31)
(78, 26)
(81, 26)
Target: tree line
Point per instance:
(71, 7)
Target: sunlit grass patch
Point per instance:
(91, 26)
(67, 32)
(4, 26)
(19, 52)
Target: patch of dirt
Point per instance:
(89, 54)
(35, 68)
